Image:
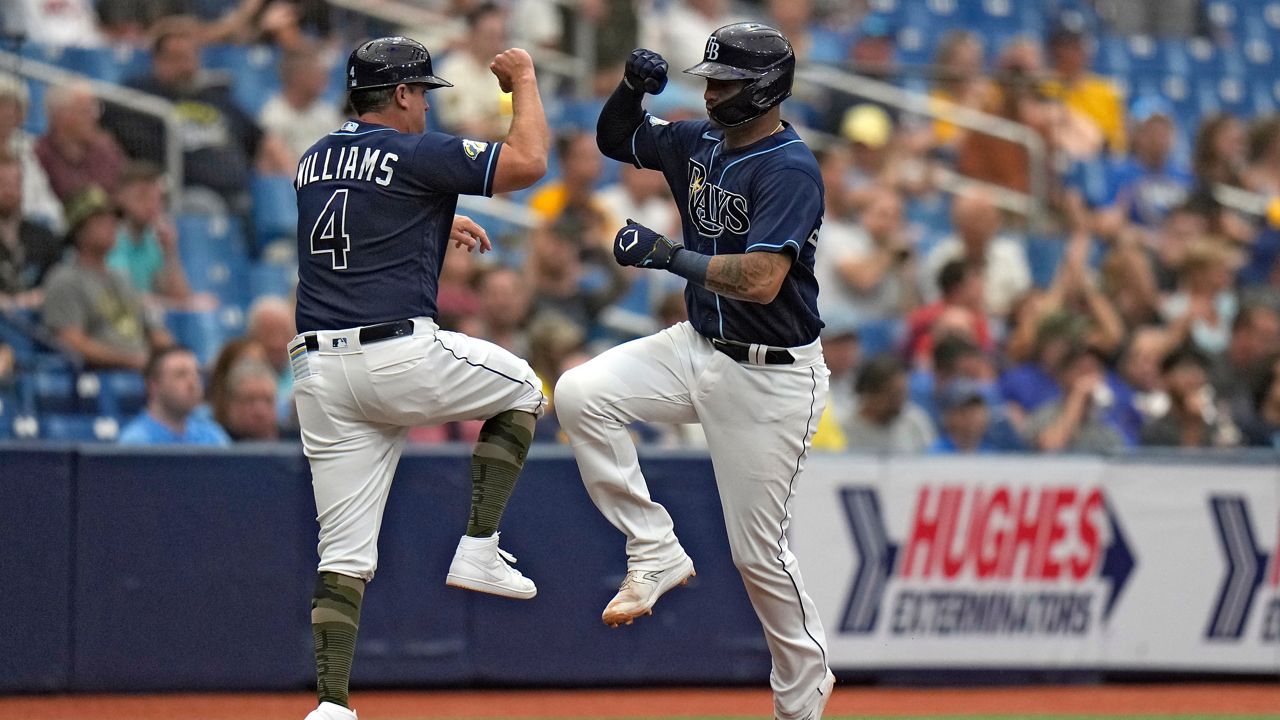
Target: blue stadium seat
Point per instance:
(121, 393)
(1225, 16)
(267, 278)
(55, 390)
(212, 249)
(275, 209)
(200, 331)
(252, 69)
(79, 427)
(879, 336)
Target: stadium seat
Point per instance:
(212, 249)
(254, 78)
(79, 427)
(266, 278)
(55, 390)
(198, 330)
(879, 336)
(121, 393)
(275, 209)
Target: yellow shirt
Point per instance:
(1098, 99)
(829, 437)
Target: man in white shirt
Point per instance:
(475, 107)
(866, 270)
(976, 238)
(298, 114)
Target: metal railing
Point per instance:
(1031, 204)
(126, 97)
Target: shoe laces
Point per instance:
(507, 556)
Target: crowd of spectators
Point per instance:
(1157, 323)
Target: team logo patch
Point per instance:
(656, 121)
(473, 148)
(349, 127)
(714, 209)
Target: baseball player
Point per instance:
(747, 364)
(376, 202)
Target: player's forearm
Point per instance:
(621, 115)
(752, 277)
(530, 137)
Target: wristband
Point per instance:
(690, 265)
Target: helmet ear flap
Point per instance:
(773, 87)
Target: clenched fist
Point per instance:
(510, 66)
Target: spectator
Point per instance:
(1263, 174)
(552, 339)
(977, 240)
(642, 195)
(299, 114)
(234, 352)
(1255, 338)
(1128, 277)
(679, 33)
(146, 248)
(475, 106)
(959, 310)
(572, 197)
(1204, 306)
(76, 152)
(66, 23)
(91, 310)
(962, 81)
(1261, 425)
(220, 143)
(1219, 155)
(27, 249)
(1001, 162)
(1146, 185)
(174, 391)
(248, 408)
(1139, 367)
(883, 420)
(869, 130)
(39, 203)
(456, 300)
(271, 325)
(842, 350)
(556, 267)
(956, 359)
(965, 419)
(504, 309)
(1081, 91)
(1077, 420)
(871, 54)
(867, 271)
(1193, 418)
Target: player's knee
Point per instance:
(572, 396)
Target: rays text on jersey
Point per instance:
(351, 163)
(713, 208)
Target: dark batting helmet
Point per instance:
(391, 61)
(753, 52)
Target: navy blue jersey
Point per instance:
(375, 207)
(765, 197)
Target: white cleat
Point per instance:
(331, 711)
(480, 565)
(817, 704)
(641, 589)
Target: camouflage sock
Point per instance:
(335, 616)
(495, 464)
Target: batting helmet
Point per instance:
(748, 51)
(390, 61)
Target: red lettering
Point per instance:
(924, 532)
(1275, 560)
(987, 545)
(1090, 537)
(934, 532)
(1053, 505)
(1026, 526)
(957, 554)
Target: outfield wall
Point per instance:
(165, 570)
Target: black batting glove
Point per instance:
(637, 246)
(646, 72)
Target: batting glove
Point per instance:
(646, 72)
(638, 246)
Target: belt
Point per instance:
(370, 333)
(741, 352)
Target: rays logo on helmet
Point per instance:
(713, 208)
(473, 148)
(713, 48)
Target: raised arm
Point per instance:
(523, 160)
(646, 71)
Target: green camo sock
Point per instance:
(496, 462)
(335, 617)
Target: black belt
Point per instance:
(742, 353)
(370, 333)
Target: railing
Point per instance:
(124, 96)
(1030, 204)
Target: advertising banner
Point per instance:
(1001, 562)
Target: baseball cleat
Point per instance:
(480, 565)
(641, 589)
(817, 705)
(331, 711)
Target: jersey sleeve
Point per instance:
(786, 207)
(449, 164)
(656, 142)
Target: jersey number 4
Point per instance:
(330, 232)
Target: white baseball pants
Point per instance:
(758, 421)
(356, 404)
